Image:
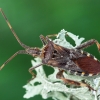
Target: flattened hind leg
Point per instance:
(68, 81)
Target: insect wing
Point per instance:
(88, 64)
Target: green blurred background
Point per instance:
(30, 18)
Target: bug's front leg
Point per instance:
(54, 35)
(89, 43)
(44, 39)
(31, 70)
(72, 82)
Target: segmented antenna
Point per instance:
(12, 30)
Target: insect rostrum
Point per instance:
(74, 60)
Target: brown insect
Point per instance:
(76, 61)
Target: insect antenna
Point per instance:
(15, 54)
(12, 30)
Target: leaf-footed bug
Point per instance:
(76, 61)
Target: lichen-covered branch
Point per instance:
(52, 87)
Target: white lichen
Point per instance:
(52, 87)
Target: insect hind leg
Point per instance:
(12, 30)
(72, 82)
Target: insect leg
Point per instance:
(60, 74)
(12, 30)
(89, 43)
(53, 35)
(72, 82)
(18, 52)
(77, 83)
(43, 39)
(32, 68)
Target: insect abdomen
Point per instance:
(80, 73)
